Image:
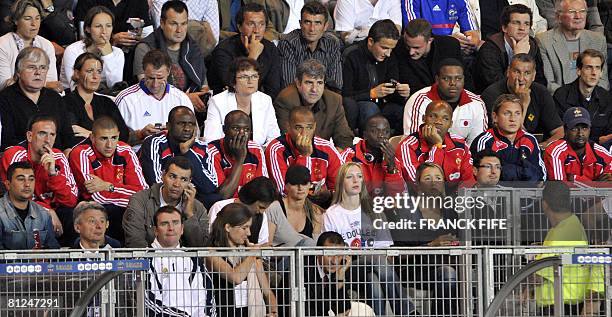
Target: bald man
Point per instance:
(236, 159)
(300, 146)
(433, 143)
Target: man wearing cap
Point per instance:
(575, 158)
(236, 159)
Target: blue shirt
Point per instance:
(442, 14)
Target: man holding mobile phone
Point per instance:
(369, 73)
(187, 72)
(175, 189)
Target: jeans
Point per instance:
(382, 284)
(115, 220)
(445, 292)
(358, 112)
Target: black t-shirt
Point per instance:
(23, 213)
(542, 116)
(490, 11)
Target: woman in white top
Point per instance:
(243, 95)
(25, 18)
(351, 216)
(98, 30)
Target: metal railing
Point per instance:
(526, 222)
(450, 281)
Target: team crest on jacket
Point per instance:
(458, 161)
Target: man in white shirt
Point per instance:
(145, 106)
(177, 285)
(469, 112)
(355, 17)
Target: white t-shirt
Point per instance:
(138, 108)
(348, 223)
(361, 14)
(295, 8)
(112, 70)
(264, 235)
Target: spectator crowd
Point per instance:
(228, 123)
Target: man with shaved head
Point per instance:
(180, 140)
(433, 143)
(300, 146)
(236, 159)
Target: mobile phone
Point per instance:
(394, 82)
(158, 126)
(205, 97)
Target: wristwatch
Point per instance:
(50, 9)
(111, 188)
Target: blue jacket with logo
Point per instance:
(442, 14)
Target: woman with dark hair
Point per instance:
(98, 30)
(25, 18)
(241, 283)
(304, 216)
(84, 105)
(243, 94)
(257, 195)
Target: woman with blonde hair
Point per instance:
(351, 216)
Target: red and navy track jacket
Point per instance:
(49, 191)
(123, 170)
(157, 149)
(521, 160)
(253, 166)
(377, 180)
(562, 161)
(323, 163)
(454, 157)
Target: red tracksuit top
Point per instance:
(50, 192)
(375, 175)
(324, 162)
(454, 157)
(561, 161)
(253, 166)
(123, 170)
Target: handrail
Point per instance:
(80, 308)
(516, 279)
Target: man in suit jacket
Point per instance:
(309, 91)
(561, 46)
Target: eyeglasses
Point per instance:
(34, 68)
(490, 167)
(574, 12)
(247, 77)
